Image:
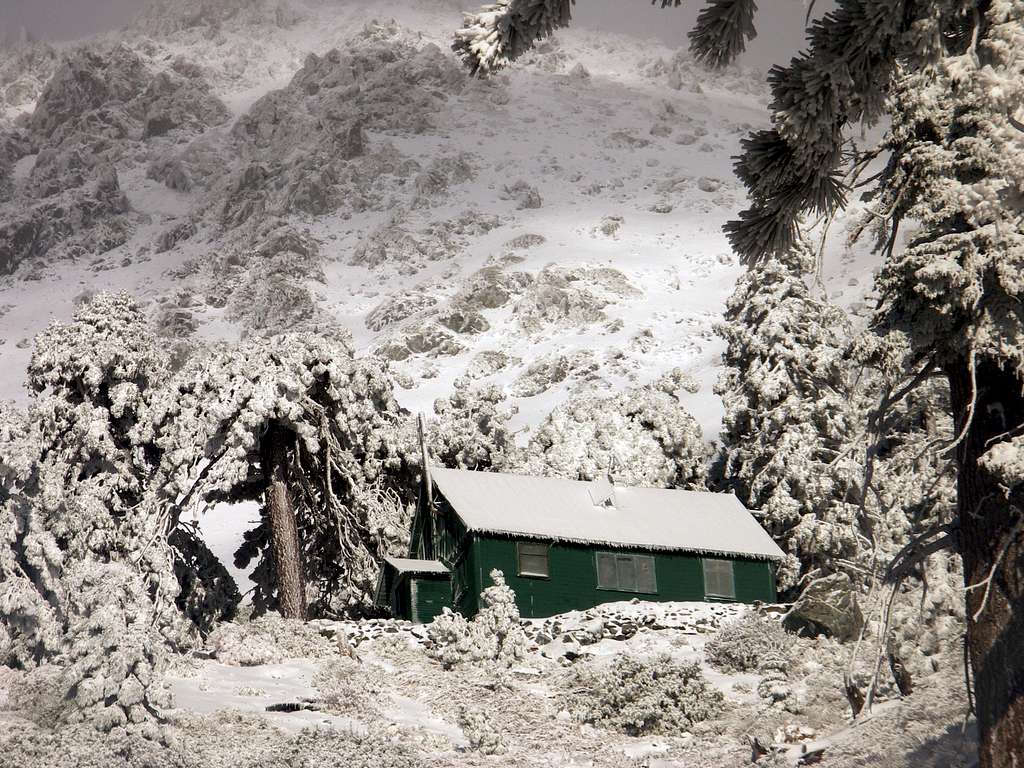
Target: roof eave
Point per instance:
(627, 545)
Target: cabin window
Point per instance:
(718, 579)
(533, 559)
(626, 573)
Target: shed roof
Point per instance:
(409, 565)
(565, 510)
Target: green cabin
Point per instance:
(572, 544)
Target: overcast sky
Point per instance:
(779, 22)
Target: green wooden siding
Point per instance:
(572, 584)
(428, 596)
(449, 533)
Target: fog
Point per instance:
(779, 22)
(64, 19)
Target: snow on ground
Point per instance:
(252, 689)
(393, 685)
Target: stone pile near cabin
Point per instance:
(569, 631)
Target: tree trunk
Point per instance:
(991, 544)
(284, 533)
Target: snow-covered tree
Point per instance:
(642, 436)
(494, 636)
(499, 33)
(950, 77)
(955, 292)
(298, 424)
(814, 439)
(470, 429)
(86, 573)
(790, 414)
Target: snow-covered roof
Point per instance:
(565, 510)
(408, 565)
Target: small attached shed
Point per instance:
(414, 589)
(570, 544)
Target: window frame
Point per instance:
(732, 577)
(636, 558)
(546, 546)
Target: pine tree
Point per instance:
(470, 429)
(86, 572)
(955, 293)
(791, 412)
(950, 75)
(298, 424)
(499, 33)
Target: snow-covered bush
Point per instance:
(82, 747)
(267, 640)
(774, 687)
(114, 655)
(642, 436)
(494, 636)
(643, 696)
(742, 645)
(222, 739)
(481, 731)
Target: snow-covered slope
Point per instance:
(554, 229)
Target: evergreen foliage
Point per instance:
(722, 31)
(342, 436)
(790, 415)
(470, 429)
(814, 439)
(642, 436)
(499, 33)
(86, 572)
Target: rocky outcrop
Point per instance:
(201, 164)
(173, 101)
(427, 338)
(395, 309)
(489, 362)
(99, 108)
(90, 220)
(574, 296)
(25, 69)
(305, 145)
(88, 79)
(550, 370)
(263, 282)
(491, 287)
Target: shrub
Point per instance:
(481, 731)
(742, 645)
(267, 640)
(643, 696)
(494, 635)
